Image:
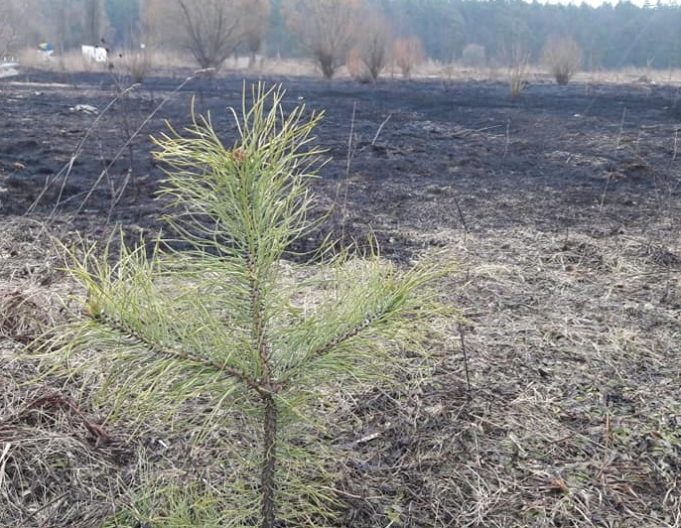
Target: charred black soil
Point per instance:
(559, 157)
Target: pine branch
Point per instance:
(366, 323)
(126, 330)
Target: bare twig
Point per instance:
(125, 146)
(380, 128)
(462, 340)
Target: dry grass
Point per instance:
(640, 78)
(71, 62)
(155, 62)
(134, 63)
(23, 315)
(30, 303)
(53, 470)
(572, 417)
(632, 75)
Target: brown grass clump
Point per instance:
(58, 464)
(24, 315)
(27, 271)
(563, 57)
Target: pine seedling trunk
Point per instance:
(269, 465)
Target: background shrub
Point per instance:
(563, 57)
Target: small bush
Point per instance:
(563, 57)
(518, 60)
(518, 78)
(408, 53)
(357, 68)
(137, 64)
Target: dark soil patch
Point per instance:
(555, 159)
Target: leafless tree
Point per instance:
(407, 53)
(374, 41)
(13, 15)
(212, 28)
(6, 30)
(63, 24)
(256, 18)
(160, 24)
(327, 28)
(94, 22)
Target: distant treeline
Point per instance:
(610, 36)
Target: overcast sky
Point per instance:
(590, 2)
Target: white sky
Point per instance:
(591, 2)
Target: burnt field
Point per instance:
(562, 210)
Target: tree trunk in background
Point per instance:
(94, 22)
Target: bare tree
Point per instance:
(327, 28)
(13, 15)
(159, 24)
(66, 23)
(212, 28)
(94, 22)
(372, 49)
(256, 17)
(63, 23)
(7, 31)
(407, 53)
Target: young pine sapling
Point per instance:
(226, 322)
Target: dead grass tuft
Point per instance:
(58, 466)
(23, 314)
